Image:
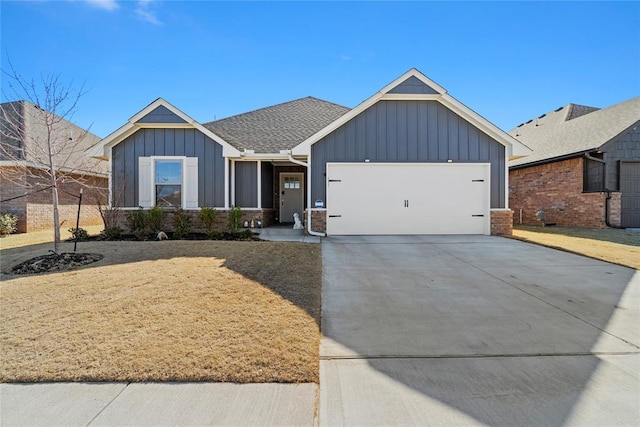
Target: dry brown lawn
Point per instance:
(611, 245)
(165, 311)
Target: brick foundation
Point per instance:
(318, 220)
(557, 189)
(502, 222)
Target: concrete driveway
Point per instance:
(475, 330)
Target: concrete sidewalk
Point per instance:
(157, 404)
(475, 330)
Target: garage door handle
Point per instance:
(477, 180)
(335, 180)
(477, 215)
(335, 216)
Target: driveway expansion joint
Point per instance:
(482, 356)
(126, 386)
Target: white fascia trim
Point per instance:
(417, 74)
(410, 97)
(514, 146)
(100, 149)
(304, 148)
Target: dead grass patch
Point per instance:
(165, 311)
(612, 245)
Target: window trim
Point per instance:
(183, 184)
(190, 181)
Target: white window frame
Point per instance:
(187, 189)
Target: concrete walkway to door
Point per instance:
(475, 330)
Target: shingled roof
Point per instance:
(574, 129)
(279, 127)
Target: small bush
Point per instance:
(138, 224)
(79, 234)
(155, 218)
(208, 216)
(235, 219)
(112, 233)
(8, 222)
(181, 224)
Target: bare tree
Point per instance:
(39, 140)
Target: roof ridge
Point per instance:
(271, 106)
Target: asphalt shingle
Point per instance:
(574, 129)
(279, 127)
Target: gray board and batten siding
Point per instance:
(413, 85)
(168, 142)
(246, 184)
(411, 132)
(625, 147)
(161, 114)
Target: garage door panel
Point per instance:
(407, 198)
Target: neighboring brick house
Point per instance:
(25, 185)
(584, 170)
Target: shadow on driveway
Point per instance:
(475, 330)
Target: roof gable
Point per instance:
(161, 114)
(412, 79)
(574, 129)
(413, 85)
(158, 114)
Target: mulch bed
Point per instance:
(54, 262)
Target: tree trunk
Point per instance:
(56, 220)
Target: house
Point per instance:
(584, 170)
(24, 136)
(411, 159)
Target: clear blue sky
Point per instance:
(509, 61)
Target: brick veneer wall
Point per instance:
(35, 211)
(557, 188)
(502, 222)
(318, 219)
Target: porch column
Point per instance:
(232, 187)
(259, 174)
(226, 183)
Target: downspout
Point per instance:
(606, 202)
(306, 165)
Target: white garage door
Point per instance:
(394, 198)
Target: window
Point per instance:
(168, 182)
(291, 183)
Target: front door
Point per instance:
(291, 196)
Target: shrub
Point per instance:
(208, 216)
(155, 218)
(235, 219)
(79, 234)
(8, 222)
(181, 224)
(138, 224)
(112, 233)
